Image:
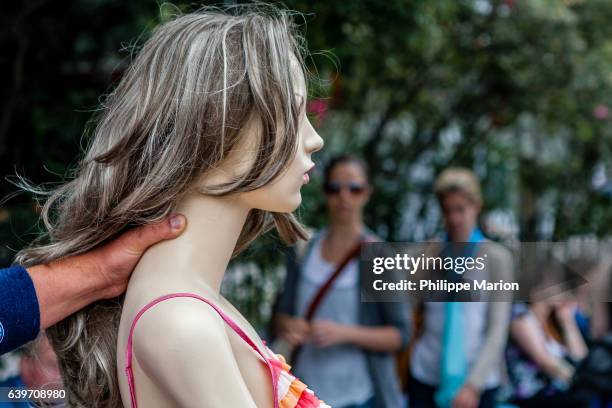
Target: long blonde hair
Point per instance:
(177, 113)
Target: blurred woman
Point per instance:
(345, 351)
(458, 363)
(540, 366)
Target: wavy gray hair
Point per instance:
(177, 113)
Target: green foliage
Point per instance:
(518, 90)
(508, 88)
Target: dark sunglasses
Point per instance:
(334, 187)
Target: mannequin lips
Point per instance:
(306, 177)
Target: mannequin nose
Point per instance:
(315, 143)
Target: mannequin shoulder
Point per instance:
(185, 320)
(184, 338)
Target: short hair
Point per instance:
(458, 179)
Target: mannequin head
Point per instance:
(214, 103)
(282, 194)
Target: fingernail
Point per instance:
(176, 222)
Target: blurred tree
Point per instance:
(58, 58)
(519, 91)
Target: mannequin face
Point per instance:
(283, 193)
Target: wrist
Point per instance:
(63, 287)
(567, 324)
(95, 270)
(566, 314)
(347, 333)
(87, 272)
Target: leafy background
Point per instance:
(518, 91)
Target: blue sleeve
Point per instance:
(19, 311)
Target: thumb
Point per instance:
(137, 240)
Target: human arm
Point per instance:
(387, 329)
(492, 349)
(524, 332)
(383, 327)
(67, 285)
(489, 356)
(574, 342)
(600, 319)
(490, 353)
(35, 298)
(325, 333)
(294, 330)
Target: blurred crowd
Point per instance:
(548, 351)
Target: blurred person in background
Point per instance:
(586, 311)
(544, 349)
(593, 312)
(557, 355)
(345, 346)
(457, 356)
(39, 367)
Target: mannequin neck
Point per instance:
(205, 248)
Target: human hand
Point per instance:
(325, 333)
(565, 311)
(467, 397)
(115, 261)
(293, 329)
(69, 284)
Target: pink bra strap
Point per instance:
(226, 318)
